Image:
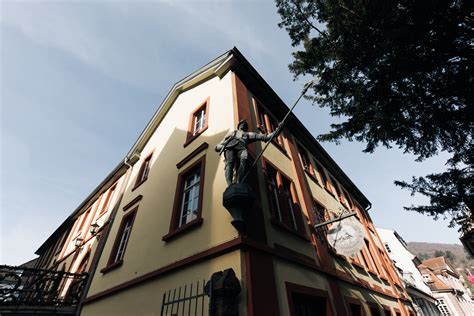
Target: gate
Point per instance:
(190, 300)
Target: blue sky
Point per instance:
(80, 80)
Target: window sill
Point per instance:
(312, 177)
(138, 184)
(358, 265)
(183, 229)
(190, 137)
(289, 230)
(111, 266)
(375, 274)
(330, 192)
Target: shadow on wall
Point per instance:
(159, 190)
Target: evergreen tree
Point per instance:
(396, 73)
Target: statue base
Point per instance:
(238, 197)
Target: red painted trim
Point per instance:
(174, 224)
(139, 181)
(189, 135)
(113, 253)
(354, 301)
(300, 289)
(321, 248)
(260, 277)
(193, 154)
(238, 243)
(132, 202)
(110, 193)
(183, 229)
(302, 234)
(201, 256)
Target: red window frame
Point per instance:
(108, 198)
(324, 178)
(268, 125)
(192, 134)
(127, 219)
(144, 171)
(306, 161)
(175, 226)
(353, 301)
(280, 191)
(292, 288)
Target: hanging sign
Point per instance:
(346, 237)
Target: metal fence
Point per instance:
(188, 300)
(38, 287)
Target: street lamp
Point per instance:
(94, 229)
(78, 242)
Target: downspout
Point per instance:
(103, 239)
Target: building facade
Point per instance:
(452, 296)
(166, 230)
(406, 263)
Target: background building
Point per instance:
(453, 297)
(406, 263)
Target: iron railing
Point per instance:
(190, 300)
(37, 287)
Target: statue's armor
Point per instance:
(235, 151)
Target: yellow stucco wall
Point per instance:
(146, 298)
(146, 251)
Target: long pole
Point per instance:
(279, 128)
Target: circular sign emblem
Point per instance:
(346, 237)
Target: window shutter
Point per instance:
(283, 199)
(299, 218)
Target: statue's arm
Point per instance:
(253, 137)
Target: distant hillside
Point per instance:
(455, 253)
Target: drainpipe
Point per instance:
(367, 209)
(103, 239)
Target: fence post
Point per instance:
(223, 289)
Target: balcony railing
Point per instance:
(37, 287)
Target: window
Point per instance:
(110, 193)
(144, 171)
(335, 186)
(324, 180)
(320, 215)
(387, 247)
(86, 214)
(267, 124)
(356, 309)
(374, 310)
(187, 207)
(198, 122)
(121, 241)
(443, 307)
(284, 205)
(348, 199)
(306, 301)
(306, 305)
(373, 265)
(190, 197)
(305, 160)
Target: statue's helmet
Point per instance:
(243, 123)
